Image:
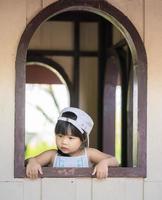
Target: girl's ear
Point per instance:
(84, 143)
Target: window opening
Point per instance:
(118, 123)
(46, 95)
(132, 82)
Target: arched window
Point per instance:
(109, 64)
(46, 94)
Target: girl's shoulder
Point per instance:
(49, 155)
(91, 151)
(95, 155)
(52, 153)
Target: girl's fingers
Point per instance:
(28, 173)
(32, 174)
(40, 170)
(94, 171)
(101, 175)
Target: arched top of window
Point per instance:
(34, 66)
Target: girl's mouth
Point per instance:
(64, 149)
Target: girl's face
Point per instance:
(68, 144)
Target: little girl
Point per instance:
(72, 138)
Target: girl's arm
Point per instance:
(34, 165)
(102, 161)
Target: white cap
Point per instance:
(83, 122)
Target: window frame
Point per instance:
(134, 40)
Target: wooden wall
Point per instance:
(146, 16)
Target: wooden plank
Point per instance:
(153, 43)
(48, 2)
(123, 189)
(32, 189)
(152, 190)
(11, 190)
(128, 8)
(32, 9)
(12, 21)
(83, 189)
(63, 189)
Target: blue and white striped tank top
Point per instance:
(75, 161)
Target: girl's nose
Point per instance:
(64, 140)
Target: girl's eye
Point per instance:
(71, 138)
(59, 135)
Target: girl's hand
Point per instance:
(33, 169)
(102, 160)
(101, 169)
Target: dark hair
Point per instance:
(63, 128)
